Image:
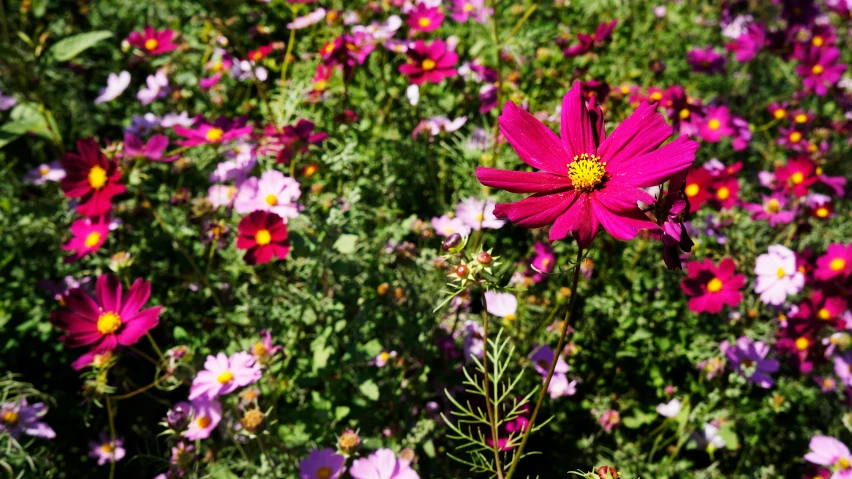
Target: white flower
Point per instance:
(307, 20)
(670, 409)
(777, 275)
(413, 94)
(157, 87)
(116, 84)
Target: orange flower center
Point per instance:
(271, 200)
(824, 314)
(214, 134)
(92, 239)
(97, 177)
(586, 172)
(11, 418)
(263, 237)
(795, 137)
(324, 472)
(320, 85)
(107, 448)
(837, 264)
(817, 69)
(203, 422)
(714, 124)
(151, 44)
(108, 323)
(259, 349)
(715, 285)
(428, 64)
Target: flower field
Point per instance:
(402, 239)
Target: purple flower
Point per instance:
(21, 418)
(382, 464)
(748, 358)
(152, 150)
(541, 358)
(273, 192)
(105, 450)
(706, 60)
(543, 261)
(322, 464)
(828, 451)
(242, 159)
(843, 367)
(477, 214)
(116, 84)
(206, 415)
(772, 209)
(223, 374)
(7, 102)
(777, 275)
(157, 87)
(45, 173)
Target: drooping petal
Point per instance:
(521, 181)
(580, 220)
(624, 225)
(534, 143)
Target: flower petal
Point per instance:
(658, 166)
(521, 181)
(534, 143)
(640, 133)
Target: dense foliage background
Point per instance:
(364, 275)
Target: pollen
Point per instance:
(324, 472)
(271, 199)
(837, 264)
(824, 314)
(92, 239)
(586, 172)
(714, 285)
(714, 124)
(780, 273)
(842, 464)
(151, 44)
(428, 64)
(203, 422)
(263, 237)
(817, 41)
(259, 349)
(214, 134)
(817, 69)
(384, 356)
(795, 137)
(107, 448)
(691, 190)
(801, 118)
(802, 344)
(10, 417)
(108, 323)
(723, 193)
(511, 317)
(684, 114)
(424, 22)
(97, 177)
(225, 377)
(779, 114)
(772, 206)
(797, 177)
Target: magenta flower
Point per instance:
(772, 210)
(424, 18)
(110, 321)
(716, 124)
(88, 234)
(91, 177)
(709, 287)
(706, 60)
(819, 69)
(609, 420)
(477, 214)
(835, 263)
(293, 139)
(322, 464)
(222, 131)
(153, 42)
(543, 261)
(462, 10)
(777, 275)
(829, 452)
(19, 418)
(749, 44)
(670, 213)
(223, 374)
(205, 415)
(264, 350)
(382, 464)
(432, 62)
(105, 450)
(587, 179)
(153, 150)
(273, 192)
(589, 41)
(748, 358)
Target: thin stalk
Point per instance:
(266, 455)
(140, 390)
(517, 456)
(111, 418)
(156, 348)
(491, 413)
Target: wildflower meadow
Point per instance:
(411, 239)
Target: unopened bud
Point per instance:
(607, 472)
(462, 270)
(383, 289)
(484, 257)
(451, 242)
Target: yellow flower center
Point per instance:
(511, 317)
(837, 264)
(586, 172)
(480, 217)
(723, 193)
(428, 64)
(842, 464)
(781, 273)
(384, 356)
(214, 134)
(92, 239)
(320, 85)
(817, 41)
(779, 113)
(795, 137)
(259, 349)
(824, 314)
(424, 22)
(772, 206)
(821, 212)
(802, 344)
(817, 69)
(467, 7)
(263, 237)
(801, 118)
(151, 44)
(828, 382)
(203, 422)
(715, 285)
(691, 190)
(107, 448)
(545, 263)
(324, 472)
(797, 178)
(271, 200)
(97, 177)
(657, 96)
(684, 114)
(225, 377)
(714, 124)
(108, 323)
(257, 56)
(43, 170)
(10, 417)
(818, 170)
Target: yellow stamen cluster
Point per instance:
(214, 134)
(817, 69)
(714, 124)
(225, 377)
(824, 314)
(263, 237)
(780, 273)
(424, 22)
(108, 323)
(271, 199)
(97, 177)
(714, 285)
(428, 64)
(10, 417)
(802, 344)
(151, 44)
(837, 264)
(586, 172)
(324, 472)
(92, 239)
(772, 206)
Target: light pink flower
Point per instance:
(223, 374)
(273, 192)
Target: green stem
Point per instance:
(111, 418)
(556, 353)
(156, 348)
(488, 406)
(266, 455)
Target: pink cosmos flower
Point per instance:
(462, 10)
(382, 464)
(670, 409)
(241, 159)
(432, 62)
(797, 176)
(322, 464)
(437, 125)
(587, 179)
(88, 234)
(425, 19)
(543, 261)
(710, 287)
(264, 350)
(153, 42)
(273, 192)
(445, 226)
(772, 209)
(609, 420)
(292, 139)
(205, 414)
(502, 305)
(382, 358)
(222, 195)
(835, 263)
(541, 358)
(819, 69)
(208, 83)
(589, 41)
(777, 275)
(44, 173)
(116, 84)
(105, 450)
(561, 386)
(222, 131)
(749, 44)
(153, 150)
(477, 214)
(716, 124)
(91, 178)
(264, 235)
(706, 60)
(828, 451)
(223, 375)
(473, 344)
(110, 321)
(748, 358)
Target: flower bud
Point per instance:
(606, 472)
(451, 242)
(383, 289)
(252, 420)
(348, 441)
(177, 417)
(462, 270)
(484, 257)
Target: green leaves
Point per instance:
(68, 48)
(346, 244)
(369, 389)
(28, 118)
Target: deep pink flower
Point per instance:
(153, 42)
(706, 60)
(716, 124)
(772, 210)
(425, 19)
(264, 235)
(797, 176)
(819, 69)
(587, 179)
(88, 234)
(671, 212)
(222, 375)
(747, 45)
(222, 131)
(91, 177)
(589, 41)
(464, 9)
(835, 263)
(710, 287)
(291, 140)
(153, 150)
(109, 321)
(432, 62)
